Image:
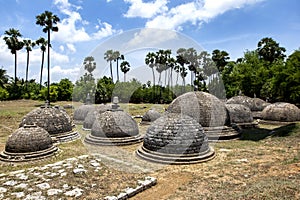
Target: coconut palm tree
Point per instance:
(48, 20)
(13, 44)
(28, 46)
(125, 67)
(109, 57)
(117, 56)
(42, 42)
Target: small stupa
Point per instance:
(280, 112)
(81, 112)
(255, 104)
(54, 120)
(150, 116)
(27, 143)
(114, 127)
(209, 111)
(92, 115)
(240, 116)
(175, 138)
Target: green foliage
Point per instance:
(53, 93)
(86, 85)
(65, 90)
(104, 90)
(3, 94)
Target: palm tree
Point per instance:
(109, 57)
(150, 61)
(89, 64)
(117, 56)
(43, 43)
(13, 44)
(125, 67)
(28, 46)
(48, 21)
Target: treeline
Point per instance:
(265, 72)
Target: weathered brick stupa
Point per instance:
(54, 120)
(150, 116)
(256, 105)
(27, 143)
(280, 113)
(209, 111)
(175, 138)
(240, 116)
(92, 115)
(114, 127)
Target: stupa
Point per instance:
(240, 116)
(150, 116)
(54, 120)
(114, 127)
(27, 143)
(280, 112)
(175, 138)
(81, 112)
(256, 105)
(92, 115)
(209, 111)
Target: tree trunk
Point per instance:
(42, 66)
(118, 70)
(48, 84)
(27, 65)
(16, 68)
(111, 73)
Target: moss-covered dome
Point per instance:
(27, 143)
(176, 139)
(205, 108)
(282, 112)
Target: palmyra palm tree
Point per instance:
(117, 56)
(42, 42)
(109, 57)
(125, 67)
(89, 64)
(13, 44)
(28, 46)
(48, 20)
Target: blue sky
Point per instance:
(85, 26)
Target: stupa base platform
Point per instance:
(221, 133)
(175, 159)
(65, 137)
(30, 156)
(106, 141)
(279, 123)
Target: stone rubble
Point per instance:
(39, 182)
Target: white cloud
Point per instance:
(58, 73)
(104, 30)
(196, 12)
(138, 8)
(71, 47)
(71, 29)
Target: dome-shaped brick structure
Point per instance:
(54, 120)
(209, 111)
(114, 127)
(175, 139)
(256, 105)
(28, 143)
(150, 116)
(92, 115)
(281, 112)
(240, 115)
(81, 112)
